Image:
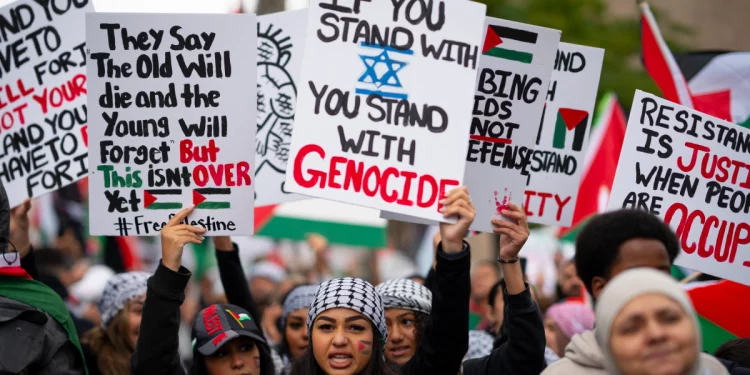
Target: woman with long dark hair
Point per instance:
(226, 338)
(293, 326)
(347, 331)
(109, 346)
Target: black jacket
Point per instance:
(523, 351)
(733, 367)
(234, 282)
(34, 341)
(156, 351)
(446, 336)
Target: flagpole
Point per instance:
(691, 277)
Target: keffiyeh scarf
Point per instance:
(405, 294)
(120, 289)
(350, 293)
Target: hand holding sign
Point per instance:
(513, 234)
(174, 236)
(457, 203)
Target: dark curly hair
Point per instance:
(598, 243)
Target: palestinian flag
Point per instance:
(201, 196)
(659, 62)
(340, 223)
(509, 43)
(714, 84)
(570, 119)
(719, 305)
(168, 199)
(600, 164)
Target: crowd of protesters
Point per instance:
(616, 309)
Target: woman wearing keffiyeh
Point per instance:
(347, 324)
(293, 326)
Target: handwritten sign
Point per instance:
(556, 164)
(693, 171)
(514, 73)
(43, 117)
(281, 44)
(385, 102)
(171, 122)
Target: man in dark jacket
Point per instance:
(37, 335)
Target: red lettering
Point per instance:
(315, 175)
(211, 320)
(390, 198)
(443, 193)
(544, 197)
(693, 159)
(217, 340)
(526, 204)
(57, 96)
(731, 235)
(85, 135)
(404, 200)
(433, 191)
(200, 175)
(333, 172)
(202, 154)
(390, 184)
(373, 170)
(560, 205)
(354, 173)
(243, 173)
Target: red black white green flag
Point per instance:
(509, 43)
(719, 83)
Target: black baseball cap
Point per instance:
(218, 324)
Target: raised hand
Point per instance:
(174, 236)
(513, 234)
(457, 203)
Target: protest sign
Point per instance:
(281, 43)
(385, 102)
(43, 117)
(171, 125)
(514, 73)
(556, 164)
(693, 171)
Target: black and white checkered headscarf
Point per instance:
(300, 297)
(350, 293)
(405, 294)
(120, 289)
(480, 344)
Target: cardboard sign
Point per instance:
(510, 88)
(43, 117)
(556, 165)
(693, 171)
(281, 44)
(171, 123)
(385, 102)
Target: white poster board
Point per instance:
(171, 121)
(385, 102)
(43, 119)
(556, 165)
(281, 45)
(510, 89)
(693, 171)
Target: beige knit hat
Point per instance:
(623, 289)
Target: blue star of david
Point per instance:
(389, 77)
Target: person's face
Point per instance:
(556, 340)
(262, 288)
(133, 312)
(240, 356)
(635, 253)
(485, 276)
(653, 335)
(571, 285)
(295, 332)
(342, 341)
(402, 336)
(497, 314)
